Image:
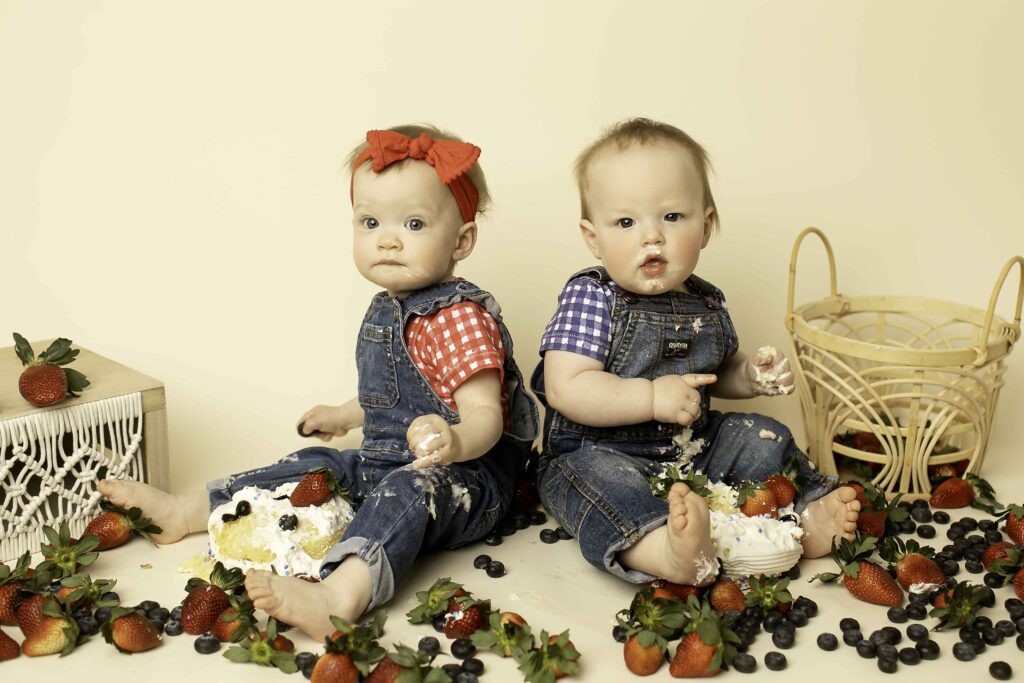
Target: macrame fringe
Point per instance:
(50, 463)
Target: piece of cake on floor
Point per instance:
(260, 529)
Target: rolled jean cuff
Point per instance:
(616, 568)
(825, 484)
(381, 578)
(219, 491)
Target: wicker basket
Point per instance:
(920, 375)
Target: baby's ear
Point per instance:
(465, 241)
(590, 237)
(709, 225)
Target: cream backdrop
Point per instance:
(172, 192)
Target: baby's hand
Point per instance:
(769, 373)
(322, 422)
(432, 441)
(676, 399)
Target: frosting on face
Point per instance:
(257, 540)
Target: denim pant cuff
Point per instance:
(611, 562)
(381, 578)
(822, 486)
(219, 491)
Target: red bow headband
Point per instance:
(449, 158)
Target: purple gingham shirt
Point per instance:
(581, 323)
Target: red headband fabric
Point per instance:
(450, 159)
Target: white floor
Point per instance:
(550, 585)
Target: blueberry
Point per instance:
(982, 622)
(563, 534)
(921, 515)
(964, 651)
(1012, 604)
(462, 648)
(991, 636)
(848, 624)
(1000, 671)
(88, 625)
(744, 663)
(974, 567)
(853, 636)
(110, 596)
(771, 621)
(226, 517)
(828, 641)
(438, 623)
(466, 677)
(453, 670)
(897, 615)
(473, 665)
(520, 521)
(243, 508)
(968, 633)
(429, 645)
(987, 525)
(537, 517)
(926, 531)
(493, 539)
(950, 568)
(619, 634)
(1019, 625)
(917, 612)
(917, 632)
(940, 517)
(173, 627)
(794, 573)
(977, 539)
(929, 649)
(887, 665)
(1005, 628)
(288, 522)
(102, 615)
(776, 661)
(81, 611)
(797, 617)
(176, 613)
(988, 597)
(969, 523)
(1020, 642)
(306, 661)
(783, 639)
(481, 561)
(910, 655)
(549, 536)
(993, 580)
(495, 569)
(754, 625)
(754, 612)
(207, 644)
(993, 537)
(508, 529)
(953, 533)
(907, 526)
(893, 635)
(921, 598)
(161, 614)
(807, 605)
(867, 649)
(974, 553)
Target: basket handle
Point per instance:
(792, 271)
(982, 345)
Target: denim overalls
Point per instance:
(401, 512)
(593, 480)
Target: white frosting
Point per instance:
(689, 447)
(723, 497)
(266, 544)
(755, 545)
(924, 587)
(768, 378)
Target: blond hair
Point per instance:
(641, 131)
(414, 130)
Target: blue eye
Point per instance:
(625, 222)
(414, 224)
(370, 223)
(673, 217)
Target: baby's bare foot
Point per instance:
(688, 540)
(307, 606)
(178, 516)
(833, 515)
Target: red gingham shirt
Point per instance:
(454, 344)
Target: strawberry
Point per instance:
(9, 648)
(969, 490)
(316, 487)
(756, 499)
(996, 551)
(205, 601)
(554, 660)
(115, 526)
(726, 595)
(911, 563)
(509, 635)
(864, 580)
(65, 555)
(680, 591)
(43, 382)
(404, 659)
(80, 589)
(1012, 565)
(434, 601)
(10, 585)
(769, 594)
(706, 646)
(643, 656)
(649, 623)
(52, 636)
(468, 617)
(30, 614)
(335, 667)
(351, 653)
(266, 648)
(236, 622)
(787, 483)
(874, 520)
(129, 631)
(858, 488)
(957, 607)
(1014, 517)
(866, 441)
